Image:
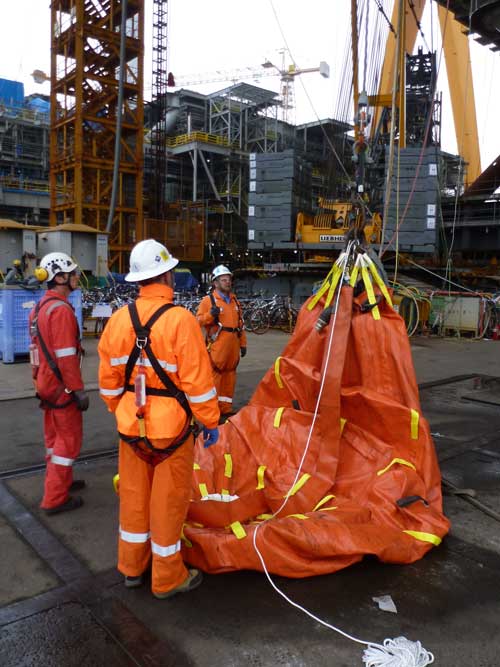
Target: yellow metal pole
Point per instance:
(458, 68)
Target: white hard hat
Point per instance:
(149, 259)
(57, 262)
(220, 270)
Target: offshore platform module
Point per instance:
(386, 178)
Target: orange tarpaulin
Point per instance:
(369, 482)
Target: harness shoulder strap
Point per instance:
(214, 305)
(50, 360)
(143, 331)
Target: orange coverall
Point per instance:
(62, 422)
(154, 498)
(223, 346)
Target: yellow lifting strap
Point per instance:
(203, 490)
(324, 287)
(296, 487)
(277, 373)
(370, 293)
(380, 283)
(187, 542)
(323, 501)
(238, 530)
(196, 466)
(264, 517)
(415, 418)
(343, 422)
(277, 417)
(228, 470)
(393, 462)
(333, 286)
(260, 477)
(424, 537)
(354, 275)
(297, 516)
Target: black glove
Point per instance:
(81, 399)
(243, 351)
(214, 312)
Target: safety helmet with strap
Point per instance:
(54, 263)
(220, 270)
(149, 259)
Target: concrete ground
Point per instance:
(62, 603)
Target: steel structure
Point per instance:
(158, 136)
(85, 57)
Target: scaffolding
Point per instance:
(85, 72)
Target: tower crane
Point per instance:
(287, 74)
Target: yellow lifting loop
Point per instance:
(370, 293)
(187, 542)
(116, 483)
(343, 422)
(415, 418)
(323, 501)
(297, 516)
(260, 477)
(424, 537)
(402, 462)
(264, 517)
(228, 470)
(324, 287)
(277, 373)
(333, 286)
(296, 487)
(238, 530)
(381, 285)
(277, 417)
(354, 275)
(224, 492)
(203, 490)
(196, 466)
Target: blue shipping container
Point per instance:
(15, 306)
(12, 92)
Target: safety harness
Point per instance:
(142, 346)
(37, 336)
(211, 339)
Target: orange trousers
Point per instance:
(63, 431)
(225, 384)
(153, 507)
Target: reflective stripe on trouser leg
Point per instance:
(169, 504)
(63, 434)
(226, 391)
(134, 544)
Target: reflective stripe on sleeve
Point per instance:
(64, 352)
(118, 361)
(134, 538)
(225, 399)
(61, 460)
(165, 551)
(201, 398)
(111, 392)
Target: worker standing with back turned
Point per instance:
(55, 354)
(155, 375)
(220, 314)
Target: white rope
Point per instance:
(399, 652)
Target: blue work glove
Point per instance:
(210, 436)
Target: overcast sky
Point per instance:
(229, 34)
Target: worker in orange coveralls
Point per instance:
(155, 375)
(220, 314)
(55, 355)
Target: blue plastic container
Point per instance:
(15, 306)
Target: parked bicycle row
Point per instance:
(259, 313)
